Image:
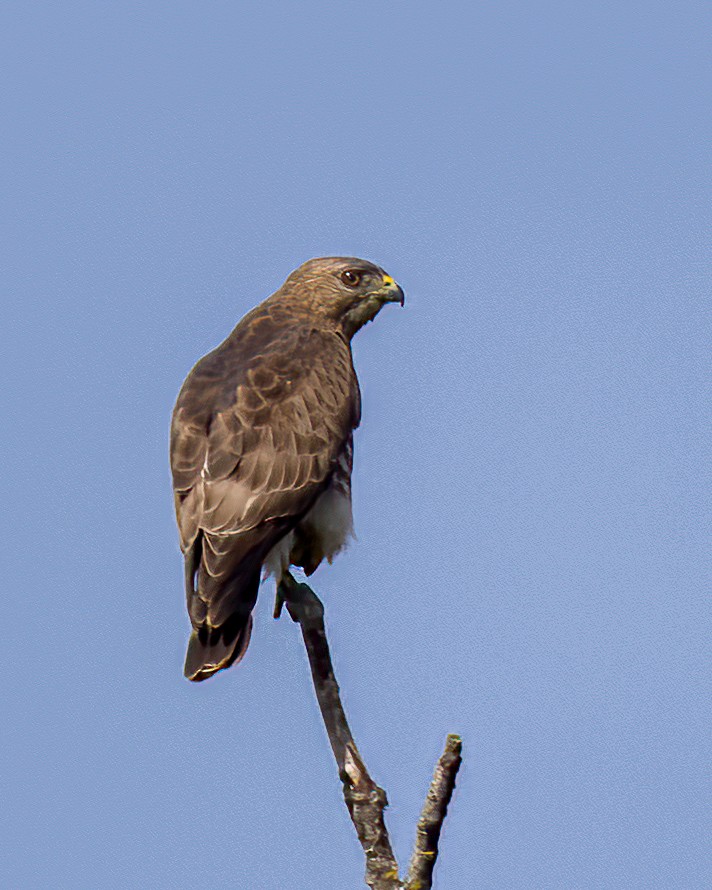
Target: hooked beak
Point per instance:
(391, 292)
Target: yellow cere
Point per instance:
(387, 280)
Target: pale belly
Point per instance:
(321, 534)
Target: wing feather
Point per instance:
(256, 435)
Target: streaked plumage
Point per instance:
(261, 448)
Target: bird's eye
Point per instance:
(351, 278)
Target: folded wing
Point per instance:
(256, 434)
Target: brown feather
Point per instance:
(257, 430)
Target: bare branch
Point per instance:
(365, 801)
(420, 873)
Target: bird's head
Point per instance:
(346, 290)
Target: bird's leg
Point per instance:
(278, 601)
(285, 588)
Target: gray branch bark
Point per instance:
(420, 872)
(365, 801)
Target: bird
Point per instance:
(261, 449)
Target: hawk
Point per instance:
(261, 448)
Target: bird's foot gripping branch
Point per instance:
(366, 802)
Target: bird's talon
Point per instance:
(278, 604)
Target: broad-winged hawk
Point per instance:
(261, 448)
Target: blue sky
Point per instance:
(531, 482)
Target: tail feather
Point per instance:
(212, 649)
(220, 612)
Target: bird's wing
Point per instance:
(255, 438)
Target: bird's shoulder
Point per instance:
(279, 381)
(272, 351)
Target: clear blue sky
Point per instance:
(531, 483)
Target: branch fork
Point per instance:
(365, 800)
